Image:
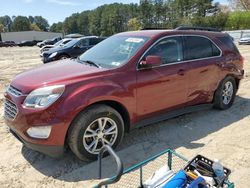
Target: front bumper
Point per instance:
(244, 42)
(26, 118)
(47, 59)
(50, 150)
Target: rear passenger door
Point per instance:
(203, 56)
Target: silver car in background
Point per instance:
(244, 40)
(59, 43)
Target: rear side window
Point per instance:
(197, 47)
(228, 41)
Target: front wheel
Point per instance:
(225, 93)
(63, 57)
(95, 127)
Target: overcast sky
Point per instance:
(55, 10)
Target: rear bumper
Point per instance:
(52, 151)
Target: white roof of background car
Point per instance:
(86, 37)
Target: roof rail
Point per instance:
(197, 28)
(153, 28)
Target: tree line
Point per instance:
(114, 18)
(23, 23)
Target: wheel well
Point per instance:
(119, 108)
(237, 81)
(63, 54)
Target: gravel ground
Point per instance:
(215, 134)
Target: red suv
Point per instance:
(130, 79)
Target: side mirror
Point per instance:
(76, 47)
(151, 61)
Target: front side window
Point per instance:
(169, 49)
(199, 47)
(82, 43)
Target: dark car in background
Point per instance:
(244, 40)
(59, 43)
(7, 44)
(72, 49)
(49, 41)
(28, 43)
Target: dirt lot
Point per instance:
(216, 134)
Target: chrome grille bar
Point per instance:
(14, 91)
(10, 110)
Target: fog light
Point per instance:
(42, 132)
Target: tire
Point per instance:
(85, 138)
(225, 93)
(61, 57)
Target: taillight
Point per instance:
(242, 59)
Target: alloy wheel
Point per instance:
(100, 132)
(227, 92)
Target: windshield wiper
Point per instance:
(89, 62)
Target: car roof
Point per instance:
(87, 37)
(163, 32)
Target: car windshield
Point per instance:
(246, 36)
(71, 43)
(58, 43)
(114, 51)
(62, 42)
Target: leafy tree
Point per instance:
(83, 23)
(34, 27)
(1, 28)
(21, 23)
(31, 19)
(146, 13)
(6, 22)
(41, 22)
(134, 24)
(238, 20)
(70, 24)
(57, 27)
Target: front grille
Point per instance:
(14, 91)
(10, 110)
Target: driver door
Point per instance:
(164, 87)
(80, 47)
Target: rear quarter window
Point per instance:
(198, 47)
(228, 42)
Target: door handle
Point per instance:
(181, 72)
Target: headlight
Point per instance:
(43, 97)
(53, 55)
(42, 132)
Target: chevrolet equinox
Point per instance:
(128, 80)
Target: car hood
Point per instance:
(58, 72)
(56, 49)
(48, 46)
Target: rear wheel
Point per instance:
(95, 127)
(225, 94)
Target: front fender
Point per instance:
(86, 95)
